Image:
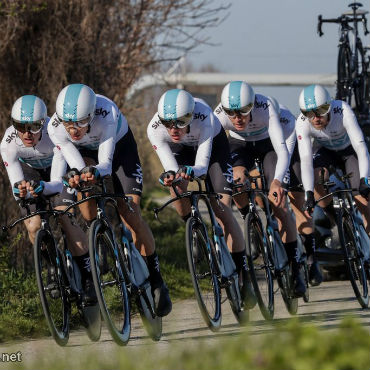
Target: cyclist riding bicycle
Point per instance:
(190, 141)
(255, 131)
(339, 142)
(88, 128)
(27, 153)
(292, 183)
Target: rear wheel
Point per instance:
(353, 258)
(202, 270)
(137, 274)
(152, 322)
(110, 284)
(360, 82)
(285, 282)
(344, 83)
(259, 264)
(52, 286)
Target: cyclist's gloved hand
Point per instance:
(35, 187)
(309, 203)
(364, 188)
(186, 172)
(71, 178)
(165, 176)
(92, 171)
(20, 189)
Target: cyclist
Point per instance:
(255, 131)
(190, 141)
(27, 153)
(339, 142)
(88, 128)
(292, 183)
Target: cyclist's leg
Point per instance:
(351, 166)
(304, 224)
(220, 177)
(287, 227)
(32, 224)
(127, 177)
(77, 242)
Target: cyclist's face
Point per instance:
(320, 122)
(28, 138)
(239, 121)
(76, 133)
(177, 133)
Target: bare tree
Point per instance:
(46, 44)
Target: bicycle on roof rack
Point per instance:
(352, 66)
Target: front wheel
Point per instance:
(52, 286)
(109, 283)
(203, 273)
(260, 265)
(353, 258)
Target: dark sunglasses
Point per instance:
(244, 111)
(177, 123)
(34, 127)
(318, 112)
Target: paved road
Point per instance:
(328, 304)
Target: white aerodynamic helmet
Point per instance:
(176, 108)
(237, 96)
(314, 100)
(28, 113)
(275, 104)
(75, 103)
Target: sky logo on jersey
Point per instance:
(299, 137)
(200, 116)
(101, 112)
(261, 104)
(338, 110)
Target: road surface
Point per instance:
(329, 303)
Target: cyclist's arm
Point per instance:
(71, 154)
(156, 134)
(106, 149)
(305, 154)
(204, 146)
(278, 142)
(357, 140)
(12, 164)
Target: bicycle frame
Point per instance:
(219, 242)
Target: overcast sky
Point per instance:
(276, 36)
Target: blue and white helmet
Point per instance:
(275, 104)
(313, 97)
(75, 103)
(176, 105)
(237, 95)
(29, 109)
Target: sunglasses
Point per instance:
(34, 127)
(318, 112)
(78, 124)
(177, 123)
(244, 111)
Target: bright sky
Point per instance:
(277, 36)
